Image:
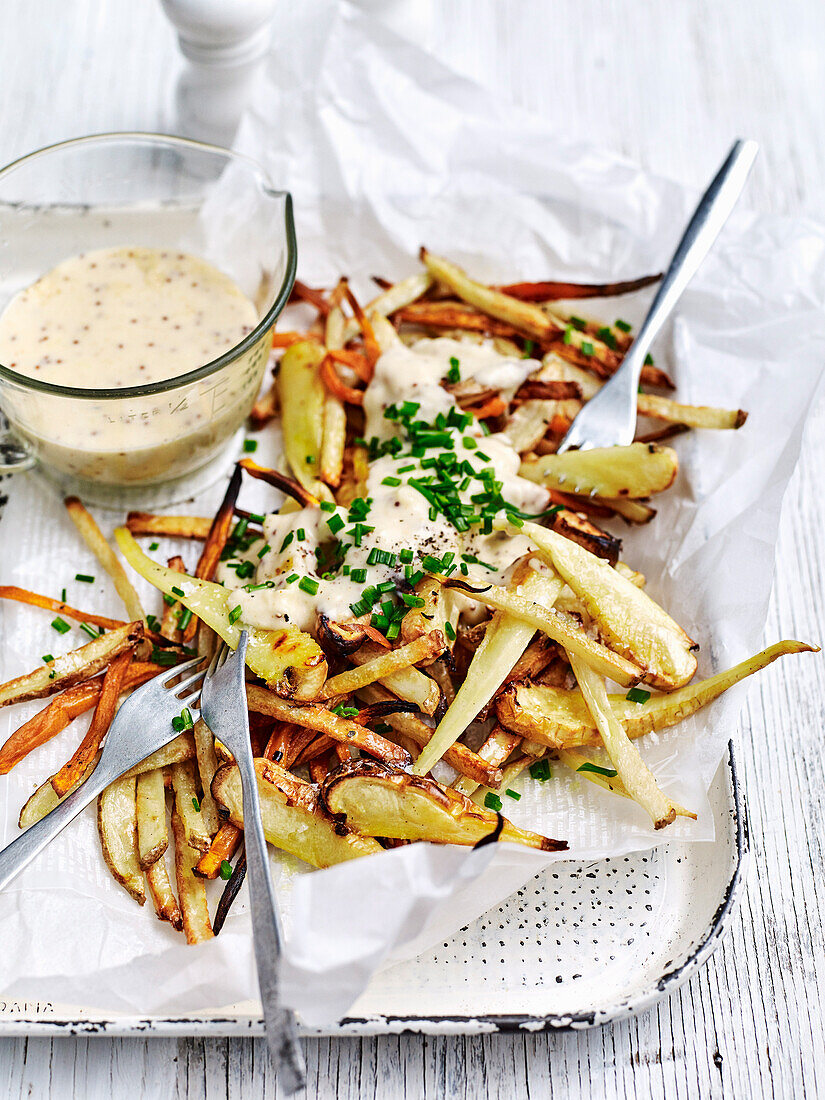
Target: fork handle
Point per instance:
(703, 228)
(19, 854)
(281, 1028)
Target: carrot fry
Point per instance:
(494, 407)
(551, 291)
(286, 339)
(335, 384)
(216, 541)
(62, 710)
(303, 293)
(86, 751)
(353, 359)
(225, 844)
(371, 346)
(34, 599)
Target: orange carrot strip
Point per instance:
(334, 383)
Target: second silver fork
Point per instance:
(224, 709)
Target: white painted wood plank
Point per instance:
(669, 85)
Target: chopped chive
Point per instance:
(90, 630)
(587, 348)
(568, 335)
(258, 587)
(300, 534)
(234, 615)
(307, 584)
(469, 443)
(196, 804)
(170, 601)
(84, 577)
(250, 446)
(184, 722)
(292, 577)
(225, 870)
(256, 517)
(406, 469)
(529, 348)
(264, 550)
(637, 695)
(327, 506)
(405, 556)
(449, 630)
(152, 622)
(608, 773)
(649, 360)
(623, 326)
(578, 322)
(492, 801)
(163, 657)
(541, 770)
(454, 373)
(391, 481)
(345, 712)
(309, 459)
(177, 591)
(336, 523)
(512, 794)
(152, 546)
(47, 657)
(63, 596)
(60, 625)
(287, 540)
(184, 618)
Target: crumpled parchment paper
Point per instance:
(384, 148)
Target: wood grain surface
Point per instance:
(669, 84)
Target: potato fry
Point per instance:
(88, 748)
(152, 839)
(324, 721)
(188, 806)
(293, 819)
(174, 527)
(95, 540)
(694, 416)
(423, 649)
(381, 801)
(207, 761)
(73, 667)
(170, 617)
(163, 898)
(638, 470)
(117, 829)
(191, 891)
(177, 751)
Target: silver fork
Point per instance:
(609, 418)
(141, 726)
(224, 709)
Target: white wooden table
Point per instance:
(669, 84)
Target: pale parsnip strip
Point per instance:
(95, 540)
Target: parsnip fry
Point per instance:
(562, 628)
(293, 820)
(152, 839)
(630, 621)
(458, 756)
(560, 718)
(191, 891)
(381, 801)
(392, 299)
(638, 470)
(188, 806)
(173, 527)
(408, 683)
(323, 720)
(637, 778)
(389, 662)
(694, 416)
(95, 540)
(505, 639)
(170, 619)
(496, 748)
(302, 396)
(73, 667)
(117, 829)
(287, 658)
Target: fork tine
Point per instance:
(187, 684)
(166, 677)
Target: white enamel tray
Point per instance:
(578, 946)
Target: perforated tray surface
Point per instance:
(579, 945)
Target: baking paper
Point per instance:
(385, 149)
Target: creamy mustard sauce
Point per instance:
(121, 317)
(124, 317)
(396, 518)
